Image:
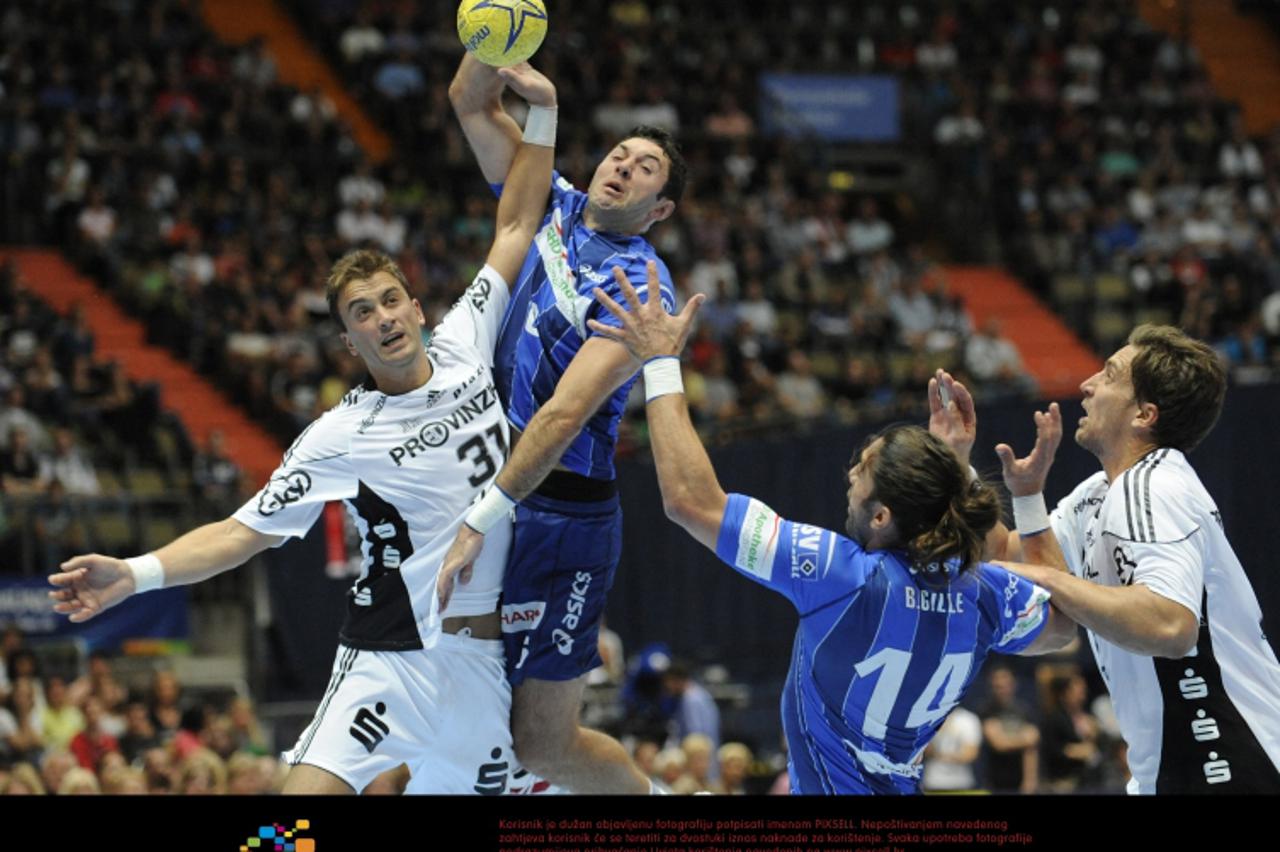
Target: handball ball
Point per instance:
(502, 32)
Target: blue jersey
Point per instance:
(546, 322)
(881, 655)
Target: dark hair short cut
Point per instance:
(1183, 378)
(938, 513)
(359, 265)
(677, 168)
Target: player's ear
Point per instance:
(422, 318)
(346, 341)
(881, 518)
(1148, 414)
(662, 210)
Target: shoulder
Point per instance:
(1159, 499)
(330, 433)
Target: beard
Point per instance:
(858, 525)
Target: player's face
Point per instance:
(623, 195)
(861, 507)
(1109, 404)
(383, 323)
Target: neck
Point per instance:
(395, 381)
(1126, 458)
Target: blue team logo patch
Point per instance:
(806, 543)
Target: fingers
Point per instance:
(688, 315)
(444, 588)
(963, 400)
(1005, 454)
(624, 284)
(935, 397)
(66, 578)
(655, 284)
(610, 305)
(609, 331)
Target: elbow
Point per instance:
(679, 508)
(1179, 638)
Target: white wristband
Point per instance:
(540, 126)
(662, 377)
(491, 509)
(148, 573)
(1030, 515)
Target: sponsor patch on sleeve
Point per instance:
(1029, 617)
(758, 540)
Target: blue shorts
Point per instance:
(563, 558)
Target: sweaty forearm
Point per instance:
(210, 550)
(1043, 548)
(541, 445)
(1132, 617)
(691, 493)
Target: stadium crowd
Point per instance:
(89, 730)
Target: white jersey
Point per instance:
(407, 467)
(1209, 722)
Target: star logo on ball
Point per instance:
(519, 10)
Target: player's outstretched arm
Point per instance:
(476, 95)
(1133, 617)
(528, 183)
(89, 584)
(691, 493)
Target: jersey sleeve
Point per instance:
(1022, 609)
(315, 470)
(808, 565)
(1068, 519)
(636, 270)
(476, 318)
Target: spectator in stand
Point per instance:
(735, 760)
(798, 391)
(21, 724)
(61, 720)
(139, 734)
(1070, 735)
(20, 466)
(54, 767)
(1010, 741)
(92, 743)
(699, 753)
(994, 361)
(215, 477)
(951, 757)
(694, 711)
(100, 681)
(869, 232)
(69, 466)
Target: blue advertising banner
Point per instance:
(162, 614)
(837, 108)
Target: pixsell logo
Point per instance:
(277, 838)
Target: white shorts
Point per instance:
(446, 712)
